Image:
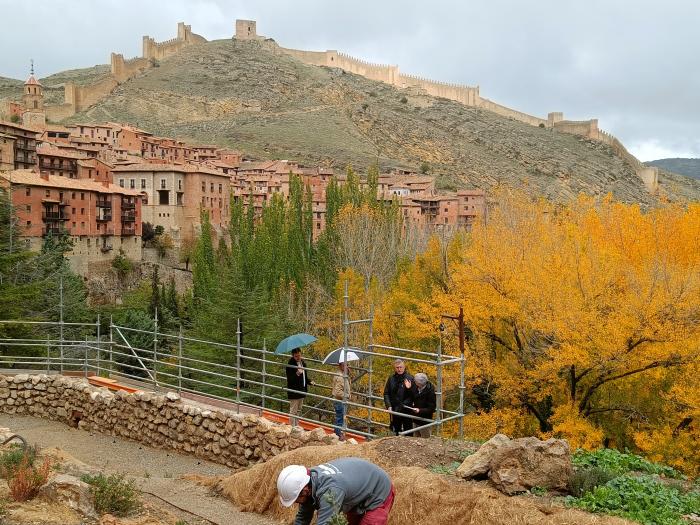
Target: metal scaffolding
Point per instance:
(231, 372)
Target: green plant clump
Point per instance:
(645, 499)
(617, 462)
(445, 469)
(12, 459)
(585, 480)
(113, 495)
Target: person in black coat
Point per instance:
(398, 396)
(298, 382)
(424, 403)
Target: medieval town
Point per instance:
(242, 283)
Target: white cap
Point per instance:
(290, 483)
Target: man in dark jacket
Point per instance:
(398, 396)
(298, 382)
(423, 403)
(353, 486)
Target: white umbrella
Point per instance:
(343, 355)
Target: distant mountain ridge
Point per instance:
(682, 166)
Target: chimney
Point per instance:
(44, 175)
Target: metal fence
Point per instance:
(252, 378)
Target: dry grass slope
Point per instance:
(420, 494)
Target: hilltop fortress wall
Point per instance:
(78, 98)
(160, 50)
(467, 95)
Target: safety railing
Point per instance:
(247, 377)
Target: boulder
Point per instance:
(478, 464)
(521, 464)
(69, 491)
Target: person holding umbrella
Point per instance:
(341, 392)
(298, 379)
(341, 383)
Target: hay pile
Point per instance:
(419, 494)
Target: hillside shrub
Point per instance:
(122, 264)
(12, 459)
(113, 494)
(585, 480)
(644, 498)
(27, 479)
(616, 462)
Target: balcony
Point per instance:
(129, 229)
(106, 248)
(126, 205)
(103, 214)
(53, 230)
(105, 232)
(104, 203)
(128, 216)
(54, 215)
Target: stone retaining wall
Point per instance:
(162, 421)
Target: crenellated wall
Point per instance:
(485, 103)
(160, 50)
(123, 70)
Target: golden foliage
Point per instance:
(574, 309)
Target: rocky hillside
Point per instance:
(251, 97)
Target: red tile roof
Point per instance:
(30, 178)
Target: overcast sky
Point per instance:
(635, 65)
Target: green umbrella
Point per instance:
(294, 341)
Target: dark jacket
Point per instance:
(424, 401)
(344, 485)
(395, 393)
(296, 382)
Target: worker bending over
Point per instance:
(358, 488)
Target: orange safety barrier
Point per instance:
(306, 425)
(111, 384)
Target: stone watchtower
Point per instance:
(246, 30)
(33, 102)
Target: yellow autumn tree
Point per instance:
(573, 309)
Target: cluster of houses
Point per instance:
(99, 183)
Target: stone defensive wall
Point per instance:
(485, 103)
(123, 70)
(163, 421)
(160, 50)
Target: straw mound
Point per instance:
(419, 494)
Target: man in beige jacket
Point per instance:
(341, 392)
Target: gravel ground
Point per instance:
(156, 471)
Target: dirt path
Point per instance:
(156, 471)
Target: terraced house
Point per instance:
(174, 195)
(101, 218)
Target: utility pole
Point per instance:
(460, 326)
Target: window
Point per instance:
(73, 211)
(204, 186)
(143, 184)
(82, 211)
(203, 200)
(82, 196)
(88, 241)
(48, 193)
(29, 208)
(60, 196)
(28, 192)
(121, 183)
(162, 184)
(220, 188)
(74, 226)
(72, 195)
(179, 184)
(132, 184)
(29, 223)
(211, 187)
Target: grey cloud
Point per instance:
(633, 65)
